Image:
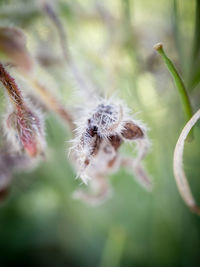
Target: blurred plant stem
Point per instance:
(196, 41)
(86, 87)
(50, 101)
(177, 35)
(128, 32)
(187, 108)
(127, 13)
(194, 77)
(130, 43)
(113, 248)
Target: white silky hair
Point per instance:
(114, 121)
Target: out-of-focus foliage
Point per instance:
(112, 44)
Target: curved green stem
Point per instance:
(178, 82)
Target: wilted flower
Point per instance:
(101, 131)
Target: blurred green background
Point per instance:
(112, 42)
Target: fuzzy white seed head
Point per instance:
(101, 129)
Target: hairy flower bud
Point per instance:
(24, 127)
(25, 131)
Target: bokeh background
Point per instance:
(112, 44)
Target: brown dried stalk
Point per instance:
(181, 179)
(11, 87)
(50, 101)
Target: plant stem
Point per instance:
(177, 34)
(180, 176)
(11, 87)
(194, 64)
(50, 101)
(178, 82)
(196, 40)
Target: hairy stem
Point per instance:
(50, 101)
(11, 87)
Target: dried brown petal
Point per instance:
(96, 145)
(115, 141)
(132, 131)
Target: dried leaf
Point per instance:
(13, 45)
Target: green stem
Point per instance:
(177, 34)
(196, 41)
(178, 82)
(194, 63)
